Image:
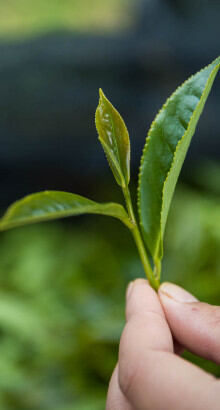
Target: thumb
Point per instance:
(194, 324)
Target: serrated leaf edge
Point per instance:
(215, 69)
(148, 138)
(125, 178)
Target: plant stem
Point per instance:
(157, 269)
(154, 281)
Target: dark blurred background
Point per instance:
(62, 284)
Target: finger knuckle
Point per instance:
(215, 316)
(128, 363)
(213, 337)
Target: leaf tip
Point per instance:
(101, 94)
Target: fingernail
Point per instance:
(129, 289)
(177, 293)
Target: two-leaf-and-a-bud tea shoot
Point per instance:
(164, 152)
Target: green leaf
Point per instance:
(164, 152)
(47, 205)
(114, 138)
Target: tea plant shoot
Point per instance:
(164, 152)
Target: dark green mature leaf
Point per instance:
(166, 146)
(114, 138)
(47, 205)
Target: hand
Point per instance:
(149, 375)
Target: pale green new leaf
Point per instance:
(114, 138)
(47, 205)
(165, 150)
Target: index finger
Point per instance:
(151, 376)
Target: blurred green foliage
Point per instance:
(62, 299)
(24, 18)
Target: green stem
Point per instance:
(157, 269)
(139, 242)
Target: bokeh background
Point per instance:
(62, 283)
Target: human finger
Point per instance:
(151, 376)
(194, 324)
(115, 398)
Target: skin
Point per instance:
(150, 374)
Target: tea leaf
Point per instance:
(164, 152)
(114, 138)
(47, 205)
